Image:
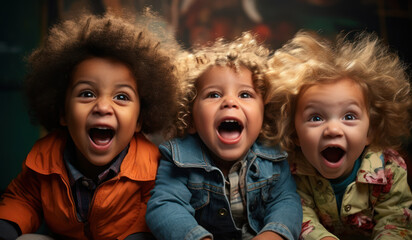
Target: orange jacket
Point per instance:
(42, 189)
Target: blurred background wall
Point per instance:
(25, 23)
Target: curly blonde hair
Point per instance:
(150, 59)
(244, 51)
(309, 60)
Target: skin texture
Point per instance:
(102, 94)
(227, 95)
(332, 115)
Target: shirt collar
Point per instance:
(372, 169)
(190, 151)
(75, 175)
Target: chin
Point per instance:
(101, 162)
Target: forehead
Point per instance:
(103, 69)
(224, 75)
(343, 89)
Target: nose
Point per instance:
(333, 129)
(103, 106)
(230, 102)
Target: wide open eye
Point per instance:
(315, 118)
(86, 94)
(245, 95)
(122, 97)
(213, 95)
(349, 117)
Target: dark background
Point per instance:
(25, 23)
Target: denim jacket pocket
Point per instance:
(262, 189)
(268, 188)
(259, 193)
(200, 197)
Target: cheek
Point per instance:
(301, 135)
(200, 117)
(362, 139)
(369, 135)
(307, 140)
(361, 135)
(130, 118)
(199, 121)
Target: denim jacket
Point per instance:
(189, 200)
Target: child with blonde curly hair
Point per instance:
(96, 84)
(344, 108)
(219, 179)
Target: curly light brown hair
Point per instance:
(309, 60)
(149, 57)
(244, 51)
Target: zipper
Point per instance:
(70, 195)
(86, 225)
(86, 228)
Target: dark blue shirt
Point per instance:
(82, 187)
(339, 186)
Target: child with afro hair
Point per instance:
(96, 84)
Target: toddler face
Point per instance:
(227, 112)
(332, 126)
(102, 109)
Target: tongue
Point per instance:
(101, 138)
(229, 134)
(332, 154)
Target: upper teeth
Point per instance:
(103, 128)
(230, 121)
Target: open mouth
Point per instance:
(101, 135)
(230, 129)
(333, 154)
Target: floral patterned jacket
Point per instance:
(378, 204)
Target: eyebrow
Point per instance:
(92, 83)
(127, 86)
(220, 86)
(83, 82)
(349, 102)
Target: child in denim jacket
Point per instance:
(221, 180)
(347, 108)
(91, 85)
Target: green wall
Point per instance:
(20, 28)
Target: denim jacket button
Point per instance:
(348, 207)
(85, 183)
(222, 212)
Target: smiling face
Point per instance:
(227, 112)
(332, 126)
(101, 110)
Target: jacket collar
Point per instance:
(140, 163)
(192, 152)
(371, 170)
